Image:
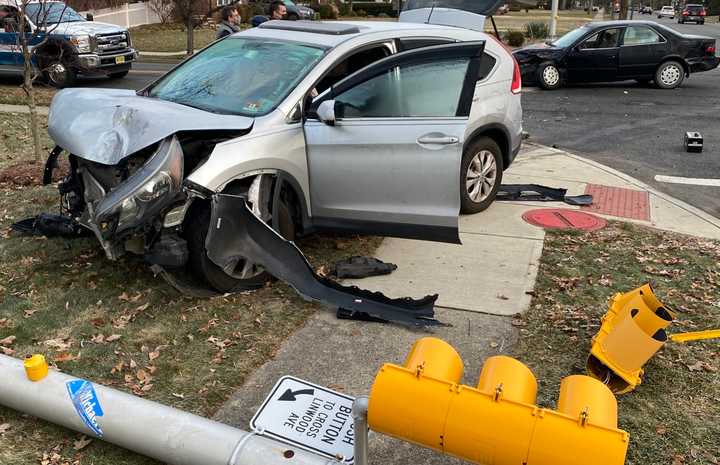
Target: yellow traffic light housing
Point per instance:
(497, 422)
(632, 331)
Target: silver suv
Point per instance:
(387, 128)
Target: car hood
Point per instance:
(85, 28)
(107, 125)
(536, 50)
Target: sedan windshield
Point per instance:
(570, 38)
(239, 76)
(51, 13)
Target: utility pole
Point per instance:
(553, 19)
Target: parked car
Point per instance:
(694, 13)
(68, 45)
(503, 9)
(320, 125)
(618, 51)
(646, 10)
(666, 12)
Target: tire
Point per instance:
(481, 173)
(119, 74)
(548, 76)
(59, 74)
(206, 271)
(669, 75)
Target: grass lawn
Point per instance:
(516, 20)
(12, 94)
(672, 417)
(117, 324)
(168, 37)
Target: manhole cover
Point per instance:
(562, 218)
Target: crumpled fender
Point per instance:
(236, 233)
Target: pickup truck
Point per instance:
(63, 43)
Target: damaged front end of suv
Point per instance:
(127, 164)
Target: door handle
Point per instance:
(438, 140)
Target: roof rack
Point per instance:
(333, 29)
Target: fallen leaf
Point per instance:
(6, 350)
(8, 341)
(141, 375)
(28, 313)
(153, 355)
(678, 460)
(133, 365)
(112, 337)
(661, 430)
(142, 308)
(147, 387)
(697, 366)
(179, 396)
(494, 344)
(124, 297)
(518, 322)
(65, 357)
(4, 427)
(502, 297)
(98, 339)
(81, 443)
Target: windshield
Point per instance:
(51, 13)
(570, 38)
(239, 76)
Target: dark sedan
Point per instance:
(617, 51)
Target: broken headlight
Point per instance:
(145, 193)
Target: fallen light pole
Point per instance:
(149, 428)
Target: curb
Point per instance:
(708, 218)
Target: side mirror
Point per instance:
(326, 112)
(90, 17)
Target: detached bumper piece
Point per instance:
(237, 234)
(50, 225)
(538, 193)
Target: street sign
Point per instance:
(308, 416)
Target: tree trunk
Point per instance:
(623, 9)
(190, 34)
(350, 8)
(28, 75)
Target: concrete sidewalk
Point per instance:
(481, 283)
(23, 109)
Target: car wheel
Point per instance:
(480, 175)
(247, 276)
(548, 76)
(669, 75)
(119, 75)
(59, 74)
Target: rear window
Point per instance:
(694, 9)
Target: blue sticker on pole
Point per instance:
(83, 396)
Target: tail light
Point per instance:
(702, 13)
(516, 86)
(685, 13)
(710, 50)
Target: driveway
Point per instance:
(638, 129)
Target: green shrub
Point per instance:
(375, 9)
(514, 38)
(325, 11)
(361, 13)
(537, 30)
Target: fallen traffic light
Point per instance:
(632, 331)
(496, 422)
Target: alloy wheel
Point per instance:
(481, 175)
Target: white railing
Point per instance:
(128, 15)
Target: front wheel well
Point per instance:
(499, 136)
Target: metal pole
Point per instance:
(149, 428)
(553, 19)
(360, 411)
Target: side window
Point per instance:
(413, 43)
(603, 39)
(407, 91)
(348, 66)
(637, 35)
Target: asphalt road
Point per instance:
(638, 129)
(141, 74)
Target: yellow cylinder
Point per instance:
(583, 396)
(36, 368)
(508, 377)
(629, 347)
(435, 358)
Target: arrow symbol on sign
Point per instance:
(290, 394)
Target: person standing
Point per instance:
(230, 23)
(278, 10)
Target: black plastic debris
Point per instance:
(538, 193)
(237, 234)
(50, 225)
(693, 142)
(361, 267)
